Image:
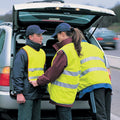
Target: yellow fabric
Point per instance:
(36, 62)
(63, 94)
(95, 76)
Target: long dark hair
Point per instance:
(77, 37)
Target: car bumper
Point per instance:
(6, 102)
(79, 104)
(107, 44)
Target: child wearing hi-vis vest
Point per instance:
(28, 65)
(63, 75)
(95, 78)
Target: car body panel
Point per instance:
(6, 102)
(5, 61)
(5, 54)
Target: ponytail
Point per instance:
(77, 37)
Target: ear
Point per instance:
(63, 34)
(30, 37)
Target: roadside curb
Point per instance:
(114, 61)
(114, 117)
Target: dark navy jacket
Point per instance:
(20, 74)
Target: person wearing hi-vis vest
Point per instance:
(28, 65)
(95, 77)
(63, 75)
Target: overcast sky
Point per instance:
(6, 5)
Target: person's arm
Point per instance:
(59, 63)
(18, 75)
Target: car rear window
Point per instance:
(2, 39)
(61, 16)
(105, 33)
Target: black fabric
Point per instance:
(103, 103)
(34, 45)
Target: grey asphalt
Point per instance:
(114, 62)
(114, 117)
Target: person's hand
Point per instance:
(34, 83)
(20, 98)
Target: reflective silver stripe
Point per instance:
(92, 69)
(34, 69)
(71, 73)
(65, 85)
(35, 77)
(91, 58)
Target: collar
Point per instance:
(34, 45)
(59, 45)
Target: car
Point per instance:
(46, 14)
(106, 37)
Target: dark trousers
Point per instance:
(30, 110)
(103, 103)
(63, 113)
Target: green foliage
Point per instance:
(6, 18)
(115, 27)
(111, 20)
(116, 9)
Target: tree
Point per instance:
(116, 9)
(6, 18)
(109, 20)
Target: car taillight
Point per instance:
(115, 38)
(109, 73)
(4, 76)
(99, 38)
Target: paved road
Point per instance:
(115, 78)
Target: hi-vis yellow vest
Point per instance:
(36, 62)
(93, 69)
(64, 89)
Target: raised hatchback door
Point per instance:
(49, 14)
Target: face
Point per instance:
(61, 36)
(37, 38)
